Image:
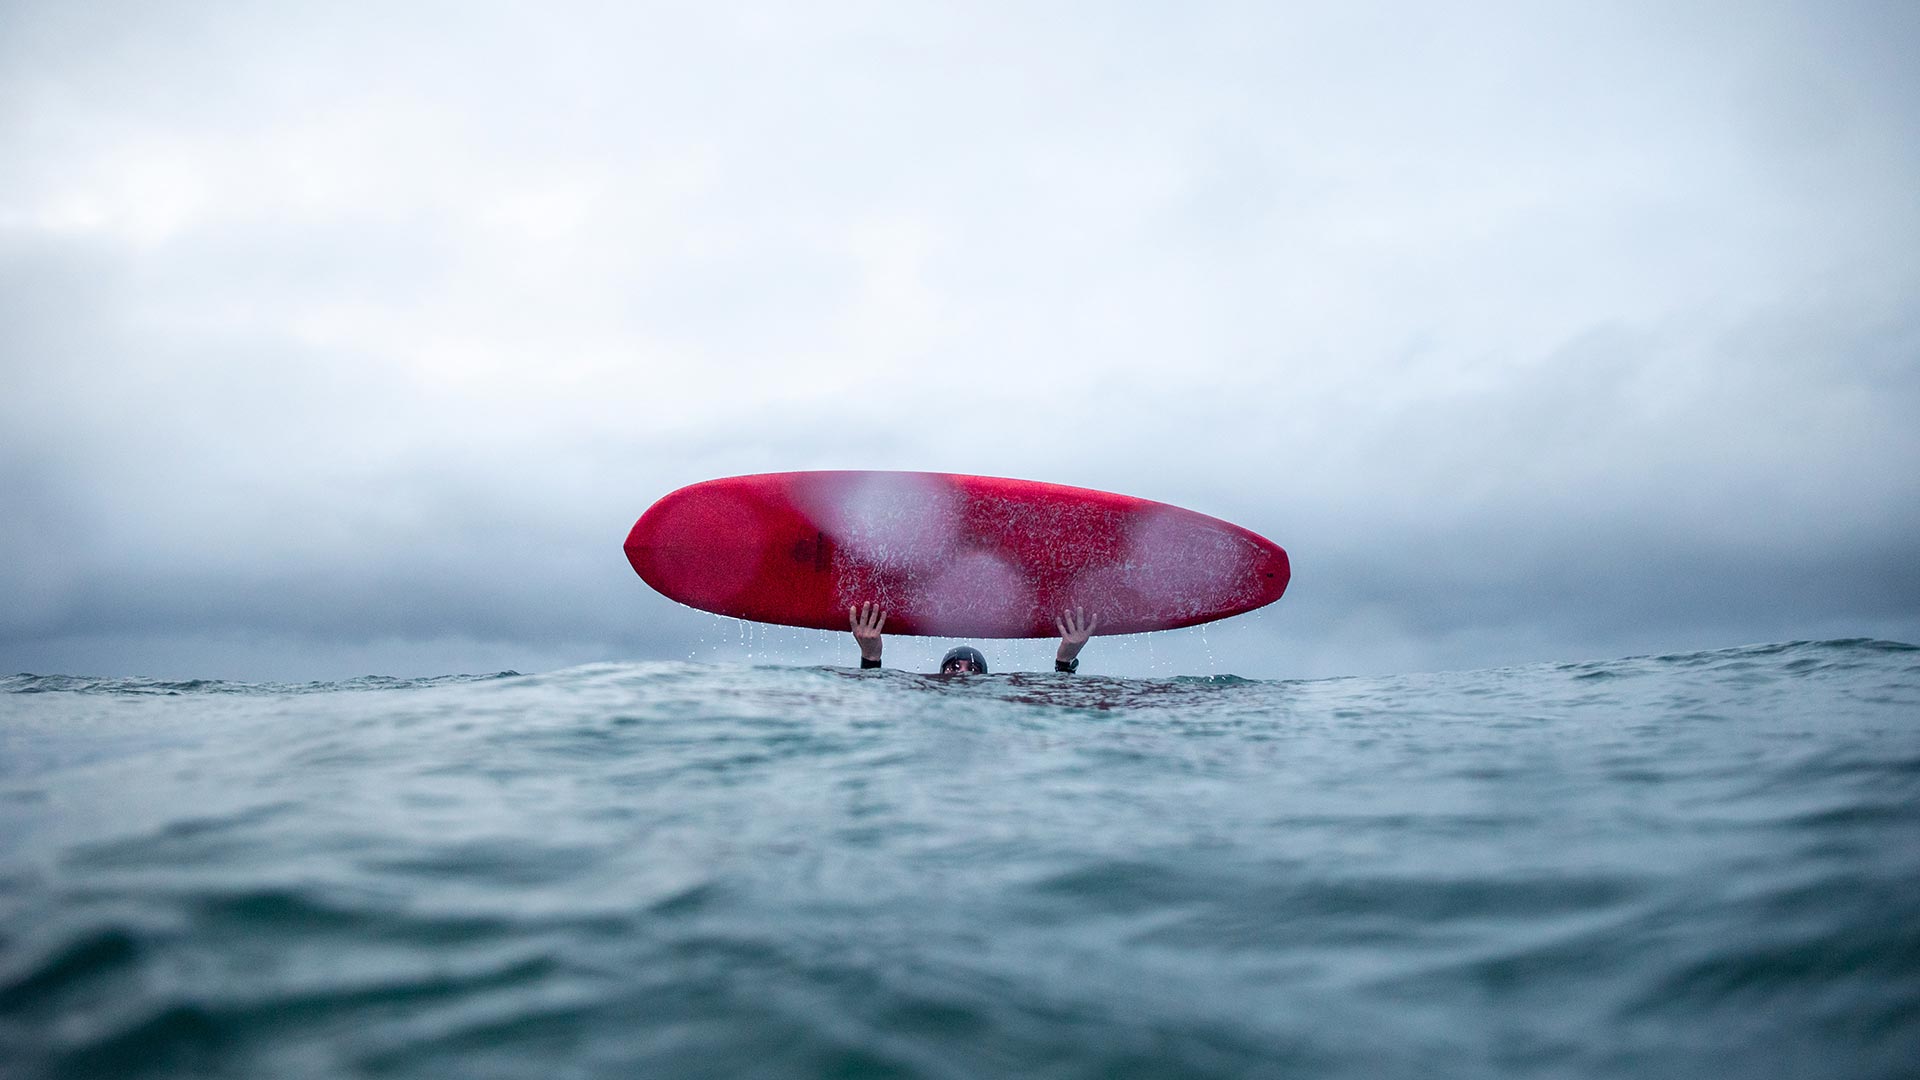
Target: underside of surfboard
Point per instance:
(947, 554)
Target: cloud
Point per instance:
(1528, 332)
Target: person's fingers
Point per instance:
(1095, 624)
(882, 624)
(1060, 625)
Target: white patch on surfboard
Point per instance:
(893, 534)
(974, 592)
(1192, 564)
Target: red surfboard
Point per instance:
(947, 555)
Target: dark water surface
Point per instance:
(1700, 865)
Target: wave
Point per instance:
(1793, 657)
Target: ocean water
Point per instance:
(1678, 866)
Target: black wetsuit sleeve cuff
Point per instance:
(1068, 666)
(866, 663)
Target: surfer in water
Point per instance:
(1075, 628)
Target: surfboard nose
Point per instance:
(1273, 572)
(701, 547)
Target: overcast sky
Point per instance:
(346, 338)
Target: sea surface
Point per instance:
(1703, 865)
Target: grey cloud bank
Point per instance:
(343, 341)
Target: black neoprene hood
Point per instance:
(965, 652)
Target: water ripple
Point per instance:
(1697, 864)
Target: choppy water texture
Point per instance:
(1701, 865)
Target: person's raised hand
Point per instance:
(867, 621)
(1075, 628)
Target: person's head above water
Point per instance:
(1074, 625)
(963, 660)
